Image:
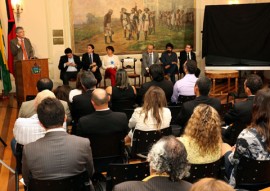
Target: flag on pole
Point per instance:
(11, 34)
(3, 64)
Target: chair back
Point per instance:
(174, 111)
(252, 174)
(128, 112)
(198, 171)
(143, 140)
(78, 182)
(126, 172)
(129, 65)
(182, 99)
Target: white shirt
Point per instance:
(73, 93)
(184, 87)
(110, 62)
(71, 68)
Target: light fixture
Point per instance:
(17, 7)
(231, 2)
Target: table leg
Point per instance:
(214, 85)
(229, 84)
(236, 84)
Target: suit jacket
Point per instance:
(82, 106)
(157, 183)
(188, 107)
(63, 60)
(145, 61)
(17, 52)
(28, 109)
(183, 59)
(86, 64)
(57, 155)
(101, 122)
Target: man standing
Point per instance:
(185, 55)
(69, 65)
(146, 20)
(148, 58)
(57, 155)
(91, 61)
(108, 26)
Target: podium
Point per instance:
(27, 73)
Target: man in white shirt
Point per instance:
(185, 86)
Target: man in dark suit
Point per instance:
(157, 75)
(91, 61)
(57, 155)
(103, 120)
(167, 157)
(201, 89)
(70, 65)
(149, 58)
(240, 115)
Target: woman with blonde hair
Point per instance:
(202, 136)
(153, 115)
(211, 184)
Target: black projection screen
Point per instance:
(237, 35)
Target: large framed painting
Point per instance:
(129, 25)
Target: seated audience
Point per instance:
(201, 89)
(254, 141)
(110, 64)
(78, 90)
(169, 62)
(57, 155)
(211, 184)
(202, 136)
(62, 92)
(153, 115)
(103, 120)
(122, 95)
(70, 65)
(185, 86)
(149, 58)
(157, 75)
(168, 165)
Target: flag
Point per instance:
(3, 64)
(11, 34)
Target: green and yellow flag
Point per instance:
(5, 76)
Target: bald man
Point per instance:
(103, 120)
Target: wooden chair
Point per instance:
(176, 129)
(78, 182)
(126, 172)
(198, 171)
(129, 112)
(252, 174)
(131, 69)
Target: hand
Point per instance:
(20, 42)
(168, 66)
(68, 64)
(233, 148)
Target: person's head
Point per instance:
(154, 101)
(42, 95)
(190, 67)
(44, 84)
(156, 72)
(110, 50)
(122, 79)
(51, 113)
(169, 156)
(100, 99)
(188, 48)
(261, 115)
(19, 32)
(88, 80)
(68, 52)
(90, 48)
(110, 11)
(204, 127)
(62, 92)
(169, 47)
(150, 48)
(211, 184)
(252, 84)
(202, 86)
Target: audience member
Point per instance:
(123, 95)
(157, 75)
(254, 141)
(149, 58)
(202, 136)
(78, 90)
(201, 89)
(168, 165)
(211, 184)
(70, 65)
(185, 86)
(169, 62)
(153, 115)
(185, 55)
(91, 61)
(103, 120)
(57, 155)
(62, 92)
(110, 64)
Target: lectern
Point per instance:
(27, 73)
